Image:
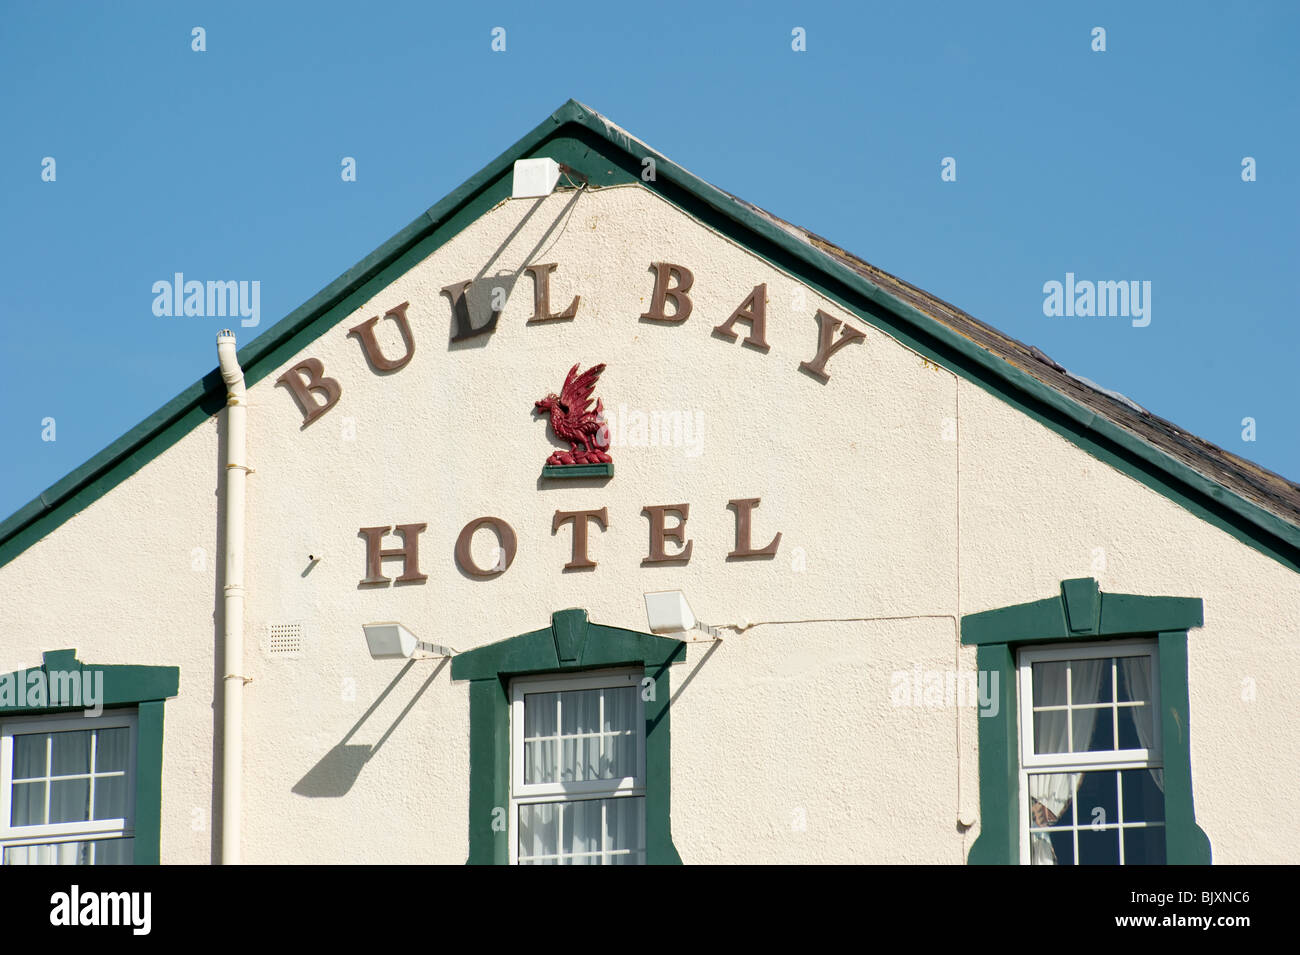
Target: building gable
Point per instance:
(606, 155)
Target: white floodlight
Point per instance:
(392, 641)
(534, 177)
(668, 612)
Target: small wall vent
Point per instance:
(284, 640)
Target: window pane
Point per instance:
(1144, 846)
(114, 851)
(1093, 730)
(1134, 679)
(29, 756)
(1098, 847)
(28, 804)
(582, 826)
(22, 855)
(539, 714)
(1049, 684)
(538, 831)
(1143, 800)
(70, 800)
(594, 832)
(539, 762)
(1134, 723)
(1050, 728)
(579, 759)
(1096, 802)
(580, 712)
(620, 709)
(110, 797)
(1054, 847)
(625, 829)
(1051, 799)
(103, 852)
(58, 853)
(570, 763)
(620, 757)
(1089, 681)
(111, 748)
(71, 753)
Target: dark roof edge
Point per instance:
(133, 450)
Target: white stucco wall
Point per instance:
(786, 744)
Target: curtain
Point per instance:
(1137, 674)
(61, 853)
(538, 830)
(540, 720)
(28, 807)
(110, 797)
(618, 760)
(579, 716)
(69, 800)
(29, 756)
(597, 739)
(583, 826)
(583, 829)
(591, 745)
(70, 753)
(1055, 791)
(111, 748)
(625, 829)
(106, 852)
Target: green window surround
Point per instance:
(570, 644)
(142, 688)
(1082, 612)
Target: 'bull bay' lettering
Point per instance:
(315, 393)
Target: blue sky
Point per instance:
(225, 164)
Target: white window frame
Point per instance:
(90, 830)
(523, 794)
(1033, 764)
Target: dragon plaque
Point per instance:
(574, 420)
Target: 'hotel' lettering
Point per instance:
(661, 534)
(408, 553)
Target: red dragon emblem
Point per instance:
(575, 421)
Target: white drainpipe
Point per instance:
(233, 682)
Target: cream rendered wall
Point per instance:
(451, 438)
(1035, 510)
(131, 580)
(787, 743)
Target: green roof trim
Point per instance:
(586, 141)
